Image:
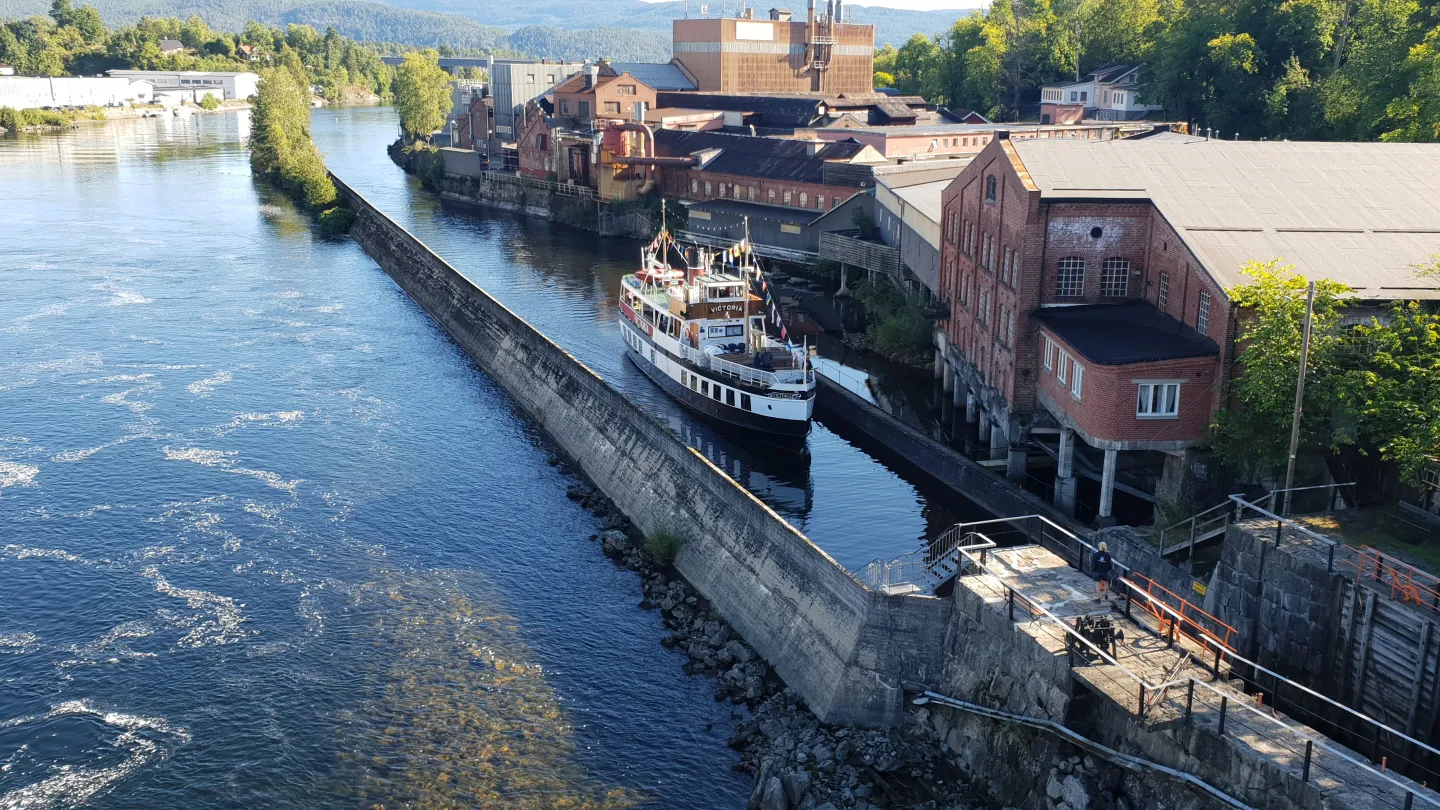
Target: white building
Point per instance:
(1109, 94)
(28, 92)
(223, 85)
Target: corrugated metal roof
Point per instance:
(1359, 213)
(924, 197)
(773, 158)
(656, 75)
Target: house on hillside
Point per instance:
(247, 53)
(171, 46)
(1087, 281)
(1111, 93)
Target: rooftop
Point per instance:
(939, 130)
(774, 158)
(1148, 335)
(656, 75)
(1362, 214)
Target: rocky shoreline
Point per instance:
(796, 761)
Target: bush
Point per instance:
(664, 546)
(10, 119)
(336, 221)
(209, 102)
(904, 336)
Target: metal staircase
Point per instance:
(1196, 529)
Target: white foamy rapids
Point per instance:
(123, 399)
(115, 378)
(330, 308)
(221, 627)
(70, 786)
(74, 361)
(207, 386)
(126, 298)
(110, 648)
(15, 474)
(224, 460)
(18, 643)
(22, 323)
(18, 552)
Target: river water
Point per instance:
(267, 538)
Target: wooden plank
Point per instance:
(1348, 649)
(1419, 677)
(1363, 654)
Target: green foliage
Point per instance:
(209, 102)
(280, 144)
(918, 67)
(664, 546)
(10, 119)
(1253, 437)
(336, 221)
(1394, 395)
(895, 329)
(422, 94)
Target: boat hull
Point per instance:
(787, 431)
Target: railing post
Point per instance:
(1330, 561)
(1142, 699)
(1409, 801)
(1189, 697)
(1305, 771)
(1170, 641)
(1375, 746)
(1010, 602)
(1224, 704)
(1217, 663)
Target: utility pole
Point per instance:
(1299, 396)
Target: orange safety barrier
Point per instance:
(1193, 623)
(1407, 583)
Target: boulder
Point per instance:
(796, 784)
(772, 796)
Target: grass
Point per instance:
(664, 546)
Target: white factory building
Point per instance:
(194, 85)
(28, 92)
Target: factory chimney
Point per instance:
(839, 11)
(810, 16)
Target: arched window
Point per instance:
(804, 200)
(787, 197)
(990, 185)
(1070, 280)
(1115, 278)
(752, 194)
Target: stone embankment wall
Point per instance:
(846, 649)
(947, 466)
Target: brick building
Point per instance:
(1086, 283)
(601, 92)
(820, 54)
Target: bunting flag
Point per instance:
(784, 335)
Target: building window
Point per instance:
(1158, 400)
(584, 109)
(786, 227)
(540, 142)
(625, 90)
(612, 107)
(1164, 298)
(564, 106)
(1049, 353)
(1202, 320)
(530, 77)
(1074, 95)
(722, 189)
(787, 197)
(990, 185)
(550, 78)
(735, 191)
(1115, 278)
(834, 203)
(770, 196)
(694, 186)
(1077, 382)
(804, 200)
(751, 192)
(1062, 365)
(819, 203)
(1070, 282)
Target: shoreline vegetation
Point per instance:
(282, 152)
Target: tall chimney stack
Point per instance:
(829, 10)
(810, 16)
(839, 11)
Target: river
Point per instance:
(269, 539)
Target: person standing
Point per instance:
(1101, 564)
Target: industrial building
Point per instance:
(225, 86)
(29, 92)
(516, 82)
(821, 54)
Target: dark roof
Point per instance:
(1120, 334)
(772, 158)
(1110, 73)
(895, 111)
(769, 111)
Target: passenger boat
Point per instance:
(698, 330)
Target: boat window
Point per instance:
(705, 388)
(683, 376)
(745, 401)
(715, 392)
(730, 397)
(738, 330)
(694, 382)
(717, 331)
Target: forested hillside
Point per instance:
(1311, 69)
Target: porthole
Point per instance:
(1096, 232)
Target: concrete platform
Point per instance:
(1255, 746)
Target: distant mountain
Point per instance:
(626, 30)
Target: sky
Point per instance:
(914, 5)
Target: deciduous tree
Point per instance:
(422, 94)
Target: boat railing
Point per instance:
(760, 376)
(699, 358)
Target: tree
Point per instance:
(1253, 436)
(422, 94)
(1114, 31)
(917, 68)
(1416, 115)
(280, 144)
(1395, 394)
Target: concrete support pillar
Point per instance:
(948, 377)
(997, 439)
(1107, 486)
(959, 389)
(972, 408)
(939, 364)
(1065, 473)
(984, 428)
(1019, 436)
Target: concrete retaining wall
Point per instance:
(950, 467)
(846, 649)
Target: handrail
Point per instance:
(1194, 521)
(1190, 681)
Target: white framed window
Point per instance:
(1157, 399)
(804, 200)
(722, 189)
(1049, 353)
(787, 197)
(1115, 278)
(1202, 320)
(1077, 381)
(707, 188)
(1062, 365)
(985, 251)
(1070, 280)
(1164, 298)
